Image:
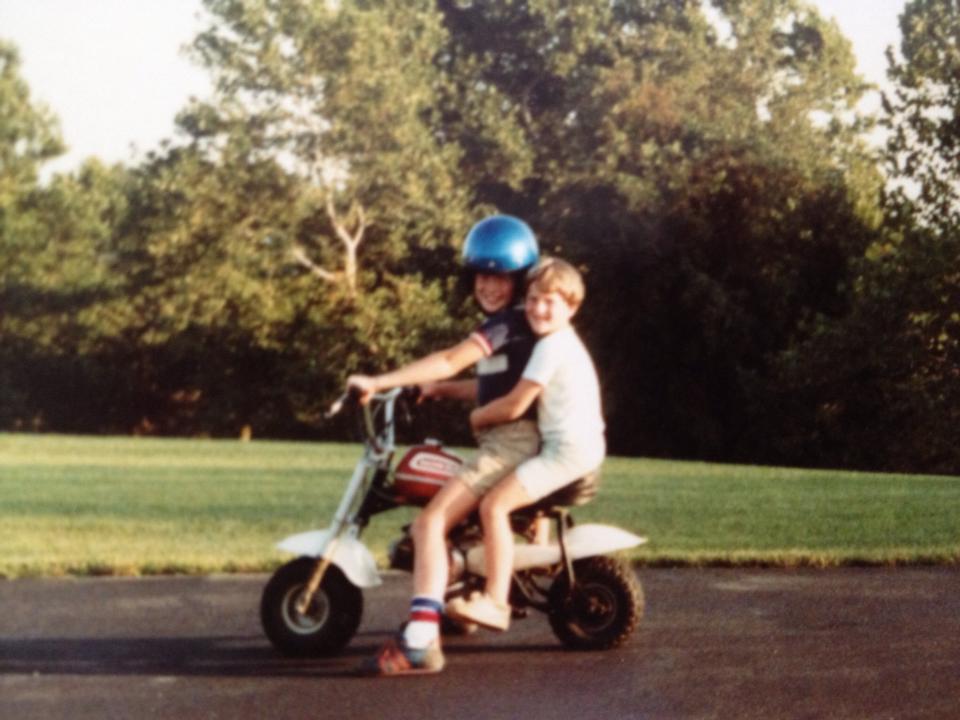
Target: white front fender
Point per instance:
(349, 554)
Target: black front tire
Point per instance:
(604, 609)
(329, 623)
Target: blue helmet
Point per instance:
(500, 244)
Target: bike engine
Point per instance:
(457, 563)
(400, 554)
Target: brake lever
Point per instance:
(337, 406)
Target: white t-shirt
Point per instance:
(568, 412)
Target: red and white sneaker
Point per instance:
(396, 658)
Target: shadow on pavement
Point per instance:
(218, 656)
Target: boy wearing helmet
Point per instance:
(498, 251)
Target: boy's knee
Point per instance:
(420, 525)
(491, 506)
(427, 522)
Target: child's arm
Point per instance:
(508, 407)
(451, 390)
(440, 365)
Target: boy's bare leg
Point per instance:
(417, 649)
(448, 507)
(495, 509)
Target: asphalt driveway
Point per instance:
(739, 643)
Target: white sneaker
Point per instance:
(481, 609)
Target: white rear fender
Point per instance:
(593, 539)
(581, 541)
(349, 554)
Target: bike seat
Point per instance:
(579, 492)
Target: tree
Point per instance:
(307, 229)
(922, 111)
(61, 300)
(28, 132)
(28, 137)
(703, 162)
(877, 387)
(704, 166)
(345, 96)
(709, 171)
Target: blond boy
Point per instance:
(561, 378)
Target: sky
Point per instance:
(115, 74)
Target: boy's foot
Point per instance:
(396, 658)
(481, 609)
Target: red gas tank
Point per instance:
(423, 470)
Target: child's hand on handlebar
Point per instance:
(429, 391)
(364, 385)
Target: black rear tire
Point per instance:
(605, 608)
(329, 623)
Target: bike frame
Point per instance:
(365, 496)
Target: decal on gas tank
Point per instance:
(431, 464)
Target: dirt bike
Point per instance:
(313, 604)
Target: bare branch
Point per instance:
(300, 255)
(349, 241)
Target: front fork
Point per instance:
(346, 519)
(323, 562)
(341, 519)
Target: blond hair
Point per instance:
(556, 275)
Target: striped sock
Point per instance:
(424, 625)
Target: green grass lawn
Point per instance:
(81, 505)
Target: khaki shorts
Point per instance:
(555, 467)
(500, 449)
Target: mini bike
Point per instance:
(313, 604)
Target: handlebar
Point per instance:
(352, 395)
(378, 416)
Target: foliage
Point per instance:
(708, 172)
(703, 162)
(55, 298)
(346, 96)
(28, 132)
(28, 136)
(922, 111)
(877, 387)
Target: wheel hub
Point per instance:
(307, 622)
(595, 607)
